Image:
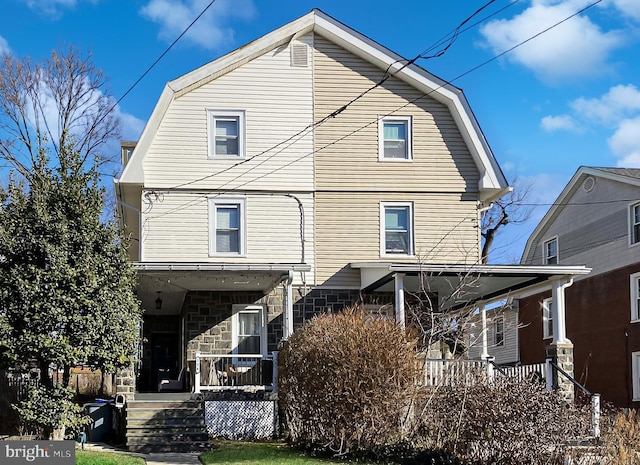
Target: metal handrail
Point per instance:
(570, 378)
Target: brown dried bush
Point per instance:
(345, 383)
(504, 422)
(621, 439)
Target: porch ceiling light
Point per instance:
(158, 302)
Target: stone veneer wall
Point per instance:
(319, 301)
(208, 319)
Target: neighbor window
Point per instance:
(396, 229)
(498, 331)
(634, 287)
(248, 329)
(547, 318)
(551, 252)
(226, 134)
(634, 223)
(635, 374)
(227, 226)
(394, 134)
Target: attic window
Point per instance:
(299, 56)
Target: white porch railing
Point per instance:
(218, 372)
(447, 372)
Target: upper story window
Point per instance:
(635, 374)
(396, 228)
(634, 287)
(634, 224)
(547, 318)
(227, 230)
(394, 135)
(226, 134)
(498, 331)
(551, 251)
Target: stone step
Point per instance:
(163, 404)
(188, 446)
(164, 413)
(163, 430)
(165, 422)
(163, 437)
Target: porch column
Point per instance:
(287, 314)
(558, 311)
(561, 349)
(399, 291)
(485, 346)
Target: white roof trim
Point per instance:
(186, 266)
(559, 203)
(491, 177)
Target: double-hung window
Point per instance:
(547, 318)
(551, 251)
(396, 228)
(634, 224)
(634, 287)
(226, 134)
(635, 374)
(498, 331)
(227, 230)
(394, 135)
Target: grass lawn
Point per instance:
(88, 457)
(259, 453)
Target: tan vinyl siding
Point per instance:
(276, 99)
(176, 228)
(348, 230)
(351, 181)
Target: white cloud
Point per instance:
(619, 102)
(558, 123)
(575, 48)
(131, 126)
(4, 46)
(625, 143)
(628, 7)
(52, 8)
(209, 32)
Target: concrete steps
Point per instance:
(166, 426)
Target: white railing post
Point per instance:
(274, 381)
(490, 373)
(549, 374)
(595, 415)
(197, 380)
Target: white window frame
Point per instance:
(383, 230)
(214, 204)
(634, 294)
(212, 115)
(498, 320)
(545, 250)
(237, 309)
(635, 375)
(633, 240)
(408, 122)
(547, 318)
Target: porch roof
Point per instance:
(170, 281)
(459, 286)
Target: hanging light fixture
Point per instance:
(158, 302)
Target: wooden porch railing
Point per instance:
(447, 372)
(218, 372)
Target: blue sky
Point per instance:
(567, 98)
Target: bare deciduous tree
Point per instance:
(46, 106)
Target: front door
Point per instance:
(165, 357)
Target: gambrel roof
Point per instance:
(492, 183)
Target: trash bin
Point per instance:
(100, 427)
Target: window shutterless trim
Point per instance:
(383, 230)
(634, 296)
(212, 115)
(544, 251)
(408, 122)
(546, 319)
(635, 375)
(214, 204)
(631, 214)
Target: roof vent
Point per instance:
(589, 184)
(299, 55)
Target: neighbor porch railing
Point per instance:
(448, 372)
(218, 372)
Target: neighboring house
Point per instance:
(304, 172)
(502, 335)
(596, 222)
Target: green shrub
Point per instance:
(344, 383)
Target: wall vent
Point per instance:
(589, 184)
(299, 55)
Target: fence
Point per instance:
(233, 371)
(446, 372)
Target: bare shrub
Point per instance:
(504, 422)
(621, 440)
(344, 383)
